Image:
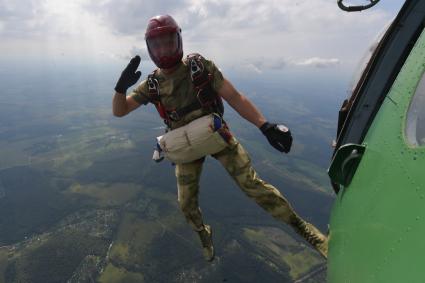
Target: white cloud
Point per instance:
(250, 67)
(233, 31)
(256, 35)
(142, 52)
(261, 65)
(20, 18)
(319, 62)
(129, 17)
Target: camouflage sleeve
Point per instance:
(140, 93)
(217, 75)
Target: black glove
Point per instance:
(129, 76)
(279, 136)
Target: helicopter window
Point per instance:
(361, 66)
(415, 128)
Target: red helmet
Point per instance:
(164, 41)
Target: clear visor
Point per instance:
(163, 45)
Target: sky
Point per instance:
(243, 35)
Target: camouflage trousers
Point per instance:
(237, 162)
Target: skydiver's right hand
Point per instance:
(129, 76)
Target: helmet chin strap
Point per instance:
(170, 69)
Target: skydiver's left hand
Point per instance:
(278, 135)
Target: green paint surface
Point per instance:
(378, 221)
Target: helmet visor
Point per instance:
(163, 45)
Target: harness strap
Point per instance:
(201, 79)
(154, 95)
(177, 114)
(206, 96)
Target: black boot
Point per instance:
(206, 239)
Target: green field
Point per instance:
(81, 200)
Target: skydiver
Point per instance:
(178, 104)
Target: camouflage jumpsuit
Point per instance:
(176, 91)
(238, 164)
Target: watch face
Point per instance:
(282, 128)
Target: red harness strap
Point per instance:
(154, 95)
